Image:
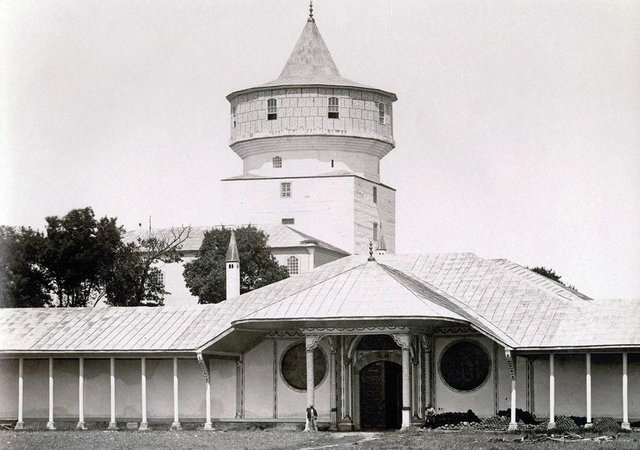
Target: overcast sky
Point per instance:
(517, 122)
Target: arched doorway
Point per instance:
(381, 396)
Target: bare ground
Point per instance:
(278, 439)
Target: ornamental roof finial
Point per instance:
(371, 258)
(311, 19)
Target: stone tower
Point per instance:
(311, 143)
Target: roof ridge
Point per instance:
(464, 309)
(540, 281)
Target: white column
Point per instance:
(589, 424)
(552, 393)
(406, 387)
(81, 424)
(332, 386)
(513, 424)
(176, 421)
(310, 346)
(143, 387)
(427, 372)
(20, 423)
(50, 424)
(512, 363)
(207, 405)
(112, 382)
(625, 394)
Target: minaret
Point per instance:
(233, 268)
(382, 246)
(311, 143)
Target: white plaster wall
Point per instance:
(305, 263)
(8, 388)
(313, 155)
(481, 401)
(258, 386)
(367, 212)
(322, 207)
(292, 404)
(223, 388)
(65, 388)
(175, 285)
(36, 388)
(305, 111)
(322, 256)
(191, 389)
(97, 389)
(159, 374)
(128, 392)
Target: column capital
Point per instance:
(426, 343)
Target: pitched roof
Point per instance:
(501, 299)
(279, 236)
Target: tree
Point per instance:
(23, 279)
(80, 260)
(205, 276)
(551, 274)
(78, 254)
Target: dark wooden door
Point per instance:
(381, 396)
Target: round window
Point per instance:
(464, 365)
(294, 366)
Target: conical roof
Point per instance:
(232, 250)
(310, 62)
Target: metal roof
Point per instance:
(503, 300)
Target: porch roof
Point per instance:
(503, 300)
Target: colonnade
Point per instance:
(552, 391)
(112, 395)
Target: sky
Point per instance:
(517, 124)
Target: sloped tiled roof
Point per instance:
(501, 299)
(310, 64)
(279, 236)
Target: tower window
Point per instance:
(375, 194)
(333, 108)
(375, 231)
(332, 163)
(272, 109)
(277, 162)
(288, 221)
(285, 190)
(381, 112)
(233, 116)
(293, 266)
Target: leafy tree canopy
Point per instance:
(205, 276)
(79, 260)
(551, 274)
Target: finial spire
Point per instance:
(371, 258)
(311, 19)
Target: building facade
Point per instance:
(368, 340)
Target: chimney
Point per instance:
(233, 268)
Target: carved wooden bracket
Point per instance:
(203, 366)
(403, 341)
(312, 342)
(510, 362)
